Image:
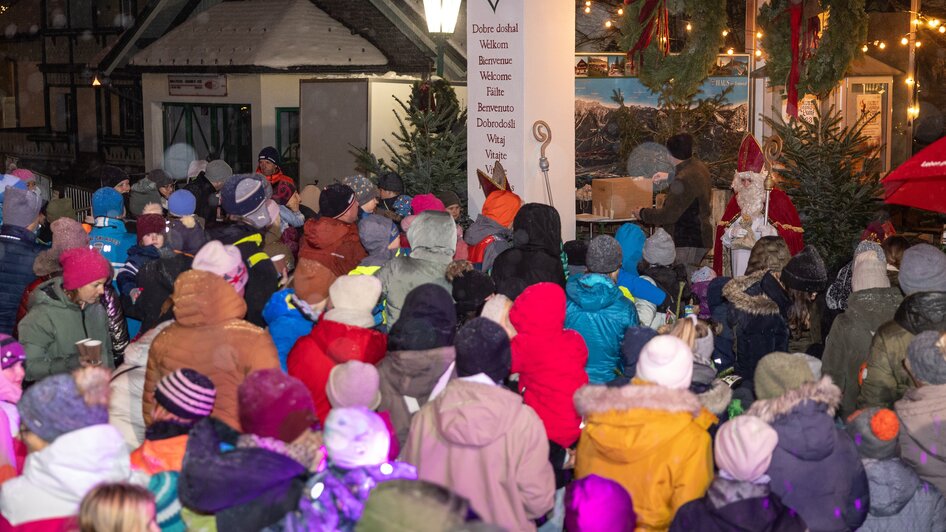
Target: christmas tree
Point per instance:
(429, 148)
(831, 173)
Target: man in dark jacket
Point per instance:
(19, 249)
(245, 198)
(687, 211)
(205, 186)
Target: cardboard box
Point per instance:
(619, 197)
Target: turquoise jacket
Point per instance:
(598, 310)
(113, 241)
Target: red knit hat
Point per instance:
(147, 224)
(275, 405)
(81, 266)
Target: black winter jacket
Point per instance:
(536, 255)
(18, 250)
(263, 278)
(758, 316)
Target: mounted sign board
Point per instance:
(196, 85)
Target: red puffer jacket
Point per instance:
(549, 359)
(331, 343)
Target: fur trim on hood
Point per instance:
(717, 398)
(823, 391)
(759, 304)
(595, 399)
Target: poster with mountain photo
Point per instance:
(607, 107)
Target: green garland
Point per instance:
(840, 44)
(685, 71)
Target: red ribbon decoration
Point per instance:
(795, 12)
(655, 20)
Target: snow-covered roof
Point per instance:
(278, 34)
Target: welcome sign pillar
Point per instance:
(521, 69)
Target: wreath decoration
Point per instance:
(822, 61)
(647, 41)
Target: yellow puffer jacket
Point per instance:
(650, 439)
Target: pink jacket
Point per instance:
(482, 442)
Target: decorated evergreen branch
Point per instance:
(831, 174)
(429, 147)
(825, 60)
(646, 38)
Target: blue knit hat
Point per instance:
(66, 402)
(167, 506)
(107, 202)
(243, 194)
(182, 203)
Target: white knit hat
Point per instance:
(868, 272)
(666, 361)
(353, 298)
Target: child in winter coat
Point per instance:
(118, 506)
(598, 310)
(550, 361)
(480, 440)
(380, 237)
(471, 290)
(648, 298)
(739, 497)
(899, 500)
(345, 332)
(65, 310)
(650, 436)
(699, 287)
(420, 358)
(209, 336)
(289, 318)
(355, 384)
(491, 232)
(65, 422)
(12, 449)
(597, 504)
(181, 400)
(922, 409)
(185, 232)
(815, 468)
(433, 238)
(658, 264)
(355, 444)
(151, 235)
(127, 388)
(252, 480)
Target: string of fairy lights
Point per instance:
(919, 22)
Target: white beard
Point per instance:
(751, 197)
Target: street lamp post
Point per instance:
(442, 18)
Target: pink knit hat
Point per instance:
(354, 383)
(426, 202)
(81, 266)
(744, 447)
(23, 174)
(224, 261)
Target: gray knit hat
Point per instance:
(20, 207)
(604, 255)
(923, 269)
(659, 248)
(874, 431)
(66, 402)
(218, 170)
(928, 358)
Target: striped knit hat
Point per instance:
(187, 394)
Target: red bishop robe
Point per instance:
(782, 215)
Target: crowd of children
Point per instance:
(353, 358)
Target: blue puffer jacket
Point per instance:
(600, 313)
(632, 237)
(113, 241)
(815, 468)
(18, 249)
(287, 322)
(900, 501)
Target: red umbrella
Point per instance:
(921, 181)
